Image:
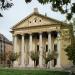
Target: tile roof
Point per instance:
(36, 13)
(3, 38)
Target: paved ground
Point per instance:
(71, 69)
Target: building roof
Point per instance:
(4, 39)
(38, 14)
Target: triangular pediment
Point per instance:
(35, 20)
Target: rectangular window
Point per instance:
(55, 47)
(55, 62)
(46, 48)
(37, 48)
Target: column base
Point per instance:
(15, 64)
(22, 65)
(41, 66)
(31, 64)
(58, 66)
(51, 64)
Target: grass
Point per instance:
(31, 72)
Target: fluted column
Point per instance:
(49, 47)
(49, 41)
(31, 63)
(15, 64)
(58, 49)
(22, 52)
(3, 44)
(14, 43)
(40, 49)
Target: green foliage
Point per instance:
(2, 56)
(31, 72)
(10, 55)
(63, 6)
(49, 56)
(70, 52)
(13, 56)
(54, 55)
(34, 55)
(28, 1)
(1, 15)
(5, 4)
(69, 16)
(43, 1)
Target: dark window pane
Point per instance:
(55, 62)
(37, 48)
(46, 48)
(55, 47)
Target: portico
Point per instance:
(40, 33)
(35, 41)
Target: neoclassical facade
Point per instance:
(5, 47)
(39, 32)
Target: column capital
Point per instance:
(30, 33)
(59, 32)
(22, 34)
(59, 35)
(14, 35)
(22, 51)
(49, 47)
(49, 32)
(40, 49)
(30, 36)
(40, 32)
(31, 63)
(58, 50)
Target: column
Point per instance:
(14, 43)
(15, 64)
(49, 47)
(40, 49)
(3, 45)
(58, 49)
(31, 62)
(49, 42)
(22, 52)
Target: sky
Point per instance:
(20, 10)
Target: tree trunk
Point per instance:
(34, 63)
(46, 65)
(73, 62)
(9, 63)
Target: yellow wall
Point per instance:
(45, 26)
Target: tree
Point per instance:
(63, 6)
(2, 57)
(5, 4)
(71, 53)
(34, 56)
(73, 25)
(12, 57)
(49, 56)
(70, 50)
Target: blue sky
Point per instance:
(20, 10)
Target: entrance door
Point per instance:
(37, 62)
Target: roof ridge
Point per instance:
(35, 13)
(4, 38)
